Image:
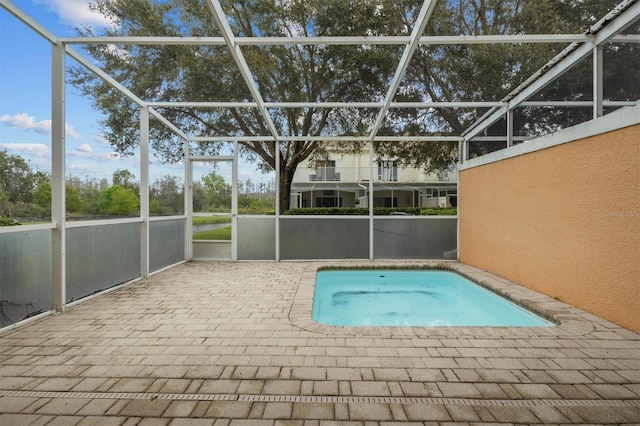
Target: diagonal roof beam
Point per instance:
(238, 57)
(29, 21)
(103, 75)
(168, 124)
(625, 14)
(49, 36)
(119, 87)
(421, 23)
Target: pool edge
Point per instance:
(568, 320)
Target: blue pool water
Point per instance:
(412, 298)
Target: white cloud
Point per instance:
(35, 149)
(101, 138)
(28, 122)
(85, 147)
(85, 151)
(71, 132)
(40, 150)
(76, 12)
(80, 168)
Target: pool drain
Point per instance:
(328, 399)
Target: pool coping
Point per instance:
(569, 320)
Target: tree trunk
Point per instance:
(286, 178)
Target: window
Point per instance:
(385, 202)
(325, 171)
(387, 171)
(325, 168)
(328, 199)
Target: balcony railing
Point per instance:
(361, 174)
(325, 174)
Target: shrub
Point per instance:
(440, 211)
(7, 221)
(117, 200)
(29, 212)
(328, 211)
(377, 211)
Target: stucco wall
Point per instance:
(564, 221)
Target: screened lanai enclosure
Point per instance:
(428, 84)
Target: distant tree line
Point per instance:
(25, 194)
(213, 194)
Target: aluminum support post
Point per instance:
(370, 199)
(460, 145)
(465, 151)
(278, 177)
(509, 118)
(598, 92)
(58, 207)
(234, 204)
(188, 200)
(144, 191)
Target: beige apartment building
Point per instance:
(342, 180)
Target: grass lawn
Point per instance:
(210, 220)
(214, 234)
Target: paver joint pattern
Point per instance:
(234, 343)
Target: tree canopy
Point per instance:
(16, 178)
(472, 72)
(325, 73)
(313, 73)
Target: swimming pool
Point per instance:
(412, 298)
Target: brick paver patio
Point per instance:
(233, 343)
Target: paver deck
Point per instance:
(233, 343)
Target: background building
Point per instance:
(342, 180)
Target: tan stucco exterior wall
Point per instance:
(564, 221)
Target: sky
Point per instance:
(25, 99)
